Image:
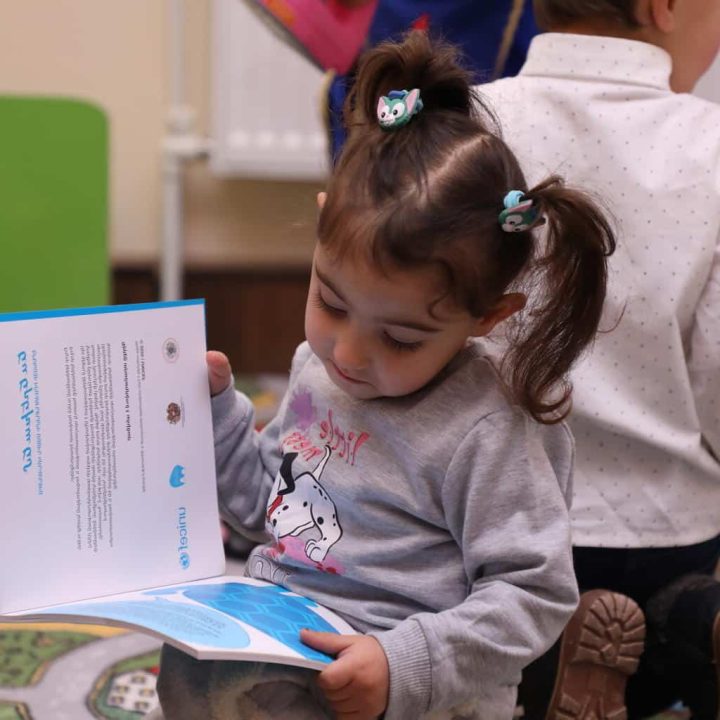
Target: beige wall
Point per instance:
(116, 54)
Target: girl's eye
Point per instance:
(326, 307)
(394, 344)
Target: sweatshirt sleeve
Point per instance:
(246, 460)
(504, 506)
(704, 358)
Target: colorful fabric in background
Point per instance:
(330, 33)
(266, 390)
(494, 37)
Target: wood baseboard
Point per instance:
(255, 317)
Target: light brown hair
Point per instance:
(557, 14)
(429, 194)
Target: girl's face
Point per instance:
(374, 333)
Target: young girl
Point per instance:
(408, 483)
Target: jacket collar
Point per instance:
(601, 58)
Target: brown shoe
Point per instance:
(600, 649)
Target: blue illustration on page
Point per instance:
(270, 609)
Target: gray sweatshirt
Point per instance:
(437, 521)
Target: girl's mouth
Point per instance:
(345, 377)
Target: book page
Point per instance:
(223, 618)
(107, 461)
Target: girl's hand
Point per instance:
(219, 371)
(357, 683)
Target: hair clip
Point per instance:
(398, 107)
(519, 214)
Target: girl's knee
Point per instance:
(183, 685)
(191, 689)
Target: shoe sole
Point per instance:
(600, 649)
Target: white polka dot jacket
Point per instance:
(646, 415)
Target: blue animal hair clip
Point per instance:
(519, 214)
(398, 107)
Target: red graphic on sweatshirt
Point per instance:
(293, 548)
(344, 443)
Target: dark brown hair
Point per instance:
(430, 193)
(556, 14)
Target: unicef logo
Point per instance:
(183, 548)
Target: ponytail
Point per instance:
(563, 318)
(416, 63)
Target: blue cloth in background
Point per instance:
(476, 26)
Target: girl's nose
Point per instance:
(349, 352)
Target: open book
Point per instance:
(108, 487)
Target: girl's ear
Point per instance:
(321, 198)
(506, 306)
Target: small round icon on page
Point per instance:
(173, 413)
(171, 350)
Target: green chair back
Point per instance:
(53, 204)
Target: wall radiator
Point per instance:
(266, 101)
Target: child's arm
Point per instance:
(246, 460)
(704, 358)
